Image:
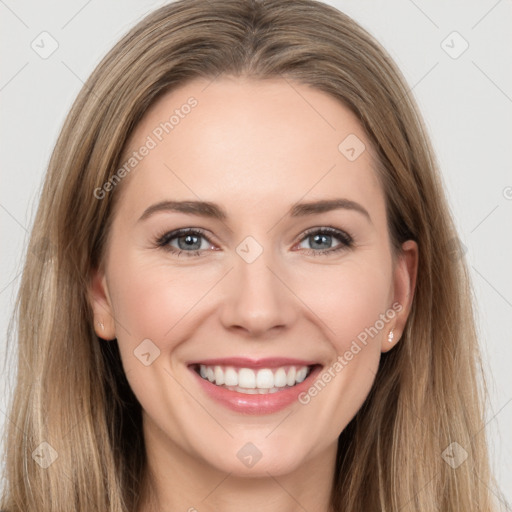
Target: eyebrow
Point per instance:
(214, 211)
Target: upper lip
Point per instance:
(243, 362)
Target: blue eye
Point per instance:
(190, 241)
(324, 236)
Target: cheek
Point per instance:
(351, 302)
(347, 298)
(153, 305)
(152, 298)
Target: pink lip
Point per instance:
(255, 404)
(243, 362)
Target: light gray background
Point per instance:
(466, 103)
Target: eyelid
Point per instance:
(167, 236)
(346, 239)
(340, 233)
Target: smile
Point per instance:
(254, 386)
(254, 381)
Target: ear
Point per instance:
(404, 284)
(104, 324)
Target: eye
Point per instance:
(321, 240)
(191, 242)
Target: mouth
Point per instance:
(254, 387)
(256, 379)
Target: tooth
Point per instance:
(290, 379)
(219, 375)
(268, 380)
(301, 374)
(230, 377)
(280, 378)
(265, 378)
(246, 378)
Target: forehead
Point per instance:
(244, 141)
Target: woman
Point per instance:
(187, 341)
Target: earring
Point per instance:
(101, 325)
(391, 336)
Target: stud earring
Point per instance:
(101, 325)
(391, 336)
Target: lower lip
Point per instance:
(256, 404)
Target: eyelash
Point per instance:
(163, 240)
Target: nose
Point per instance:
(258, 299)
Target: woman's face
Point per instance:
(287, 266)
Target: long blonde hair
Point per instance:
(71, 391)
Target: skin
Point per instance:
(255, 148)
